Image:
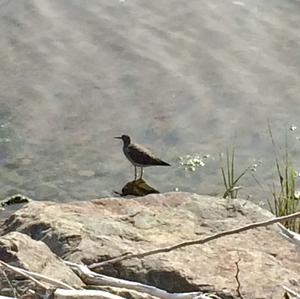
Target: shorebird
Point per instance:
(139, 156)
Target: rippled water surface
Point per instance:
(181, 77)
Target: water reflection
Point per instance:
(177, 80)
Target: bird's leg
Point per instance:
(135, 173)
(142, 171)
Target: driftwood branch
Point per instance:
(14, 291)
(97, 294)
(195, 242)
(20, 271)
(291, 292)
(290, 235)
(64, 292)
(83, 294)
(35, 276)
(91, 278)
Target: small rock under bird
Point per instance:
(139, 156)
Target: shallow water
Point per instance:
(180, 77)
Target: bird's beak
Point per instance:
(118, 137)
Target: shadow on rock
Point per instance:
(137, 188)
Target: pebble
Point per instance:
(26, 161)
(86, 173)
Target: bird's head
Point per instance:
(125, 138)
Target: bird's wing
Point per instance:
(142, 155)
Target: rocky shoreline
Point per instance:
(39, 234)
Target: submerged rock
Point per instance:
(14, 199)
(138, 188)
(102, 229)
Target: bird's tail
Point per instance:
(163, 163)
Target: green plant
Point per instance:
(284, 201)
(228, 174)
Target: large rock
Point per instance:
(102, 229)
(20, 250)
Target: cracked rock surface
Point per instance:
(101, 229)
(20, 250)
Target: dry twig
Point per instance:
(92, 278)
(195, 242)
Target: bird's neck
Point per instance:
(126, 144)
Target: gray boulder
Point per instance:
(102, 229)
